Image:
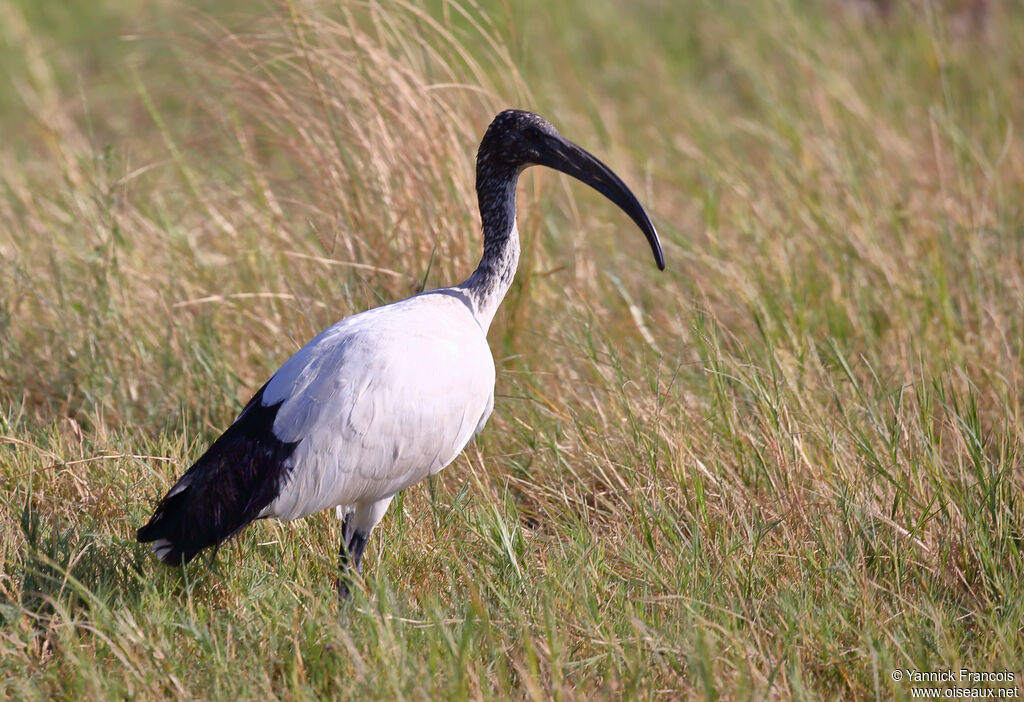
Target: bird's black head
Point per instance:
(517, 139)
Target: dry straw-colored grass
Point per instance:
(786, 467)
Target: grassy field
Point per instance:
(785, 467)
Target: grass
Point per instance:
(784, 468)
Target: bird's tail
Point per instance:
(174, 540)
(226, 489)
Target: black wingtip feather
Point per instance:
(225, 490)
(166, 526)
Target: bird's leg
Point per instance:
(356, 527)
(350, 556)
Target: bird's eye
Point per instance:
(533, 131)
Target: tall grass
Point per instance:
(786, 467)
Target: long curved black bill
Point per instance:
(565, 156)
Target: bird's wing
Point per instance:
(378, 402)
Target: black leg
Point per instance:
(350, 556)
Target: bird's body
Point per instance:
(347, 394)
(382, 399)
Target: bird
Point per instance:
(382, 399)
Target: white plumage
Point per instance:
(381, 400)
(384, 398)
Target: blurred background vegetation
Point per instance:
(785, 467)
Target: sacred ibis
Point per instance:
(384, 398)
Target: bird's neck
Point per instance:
(496, 192)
